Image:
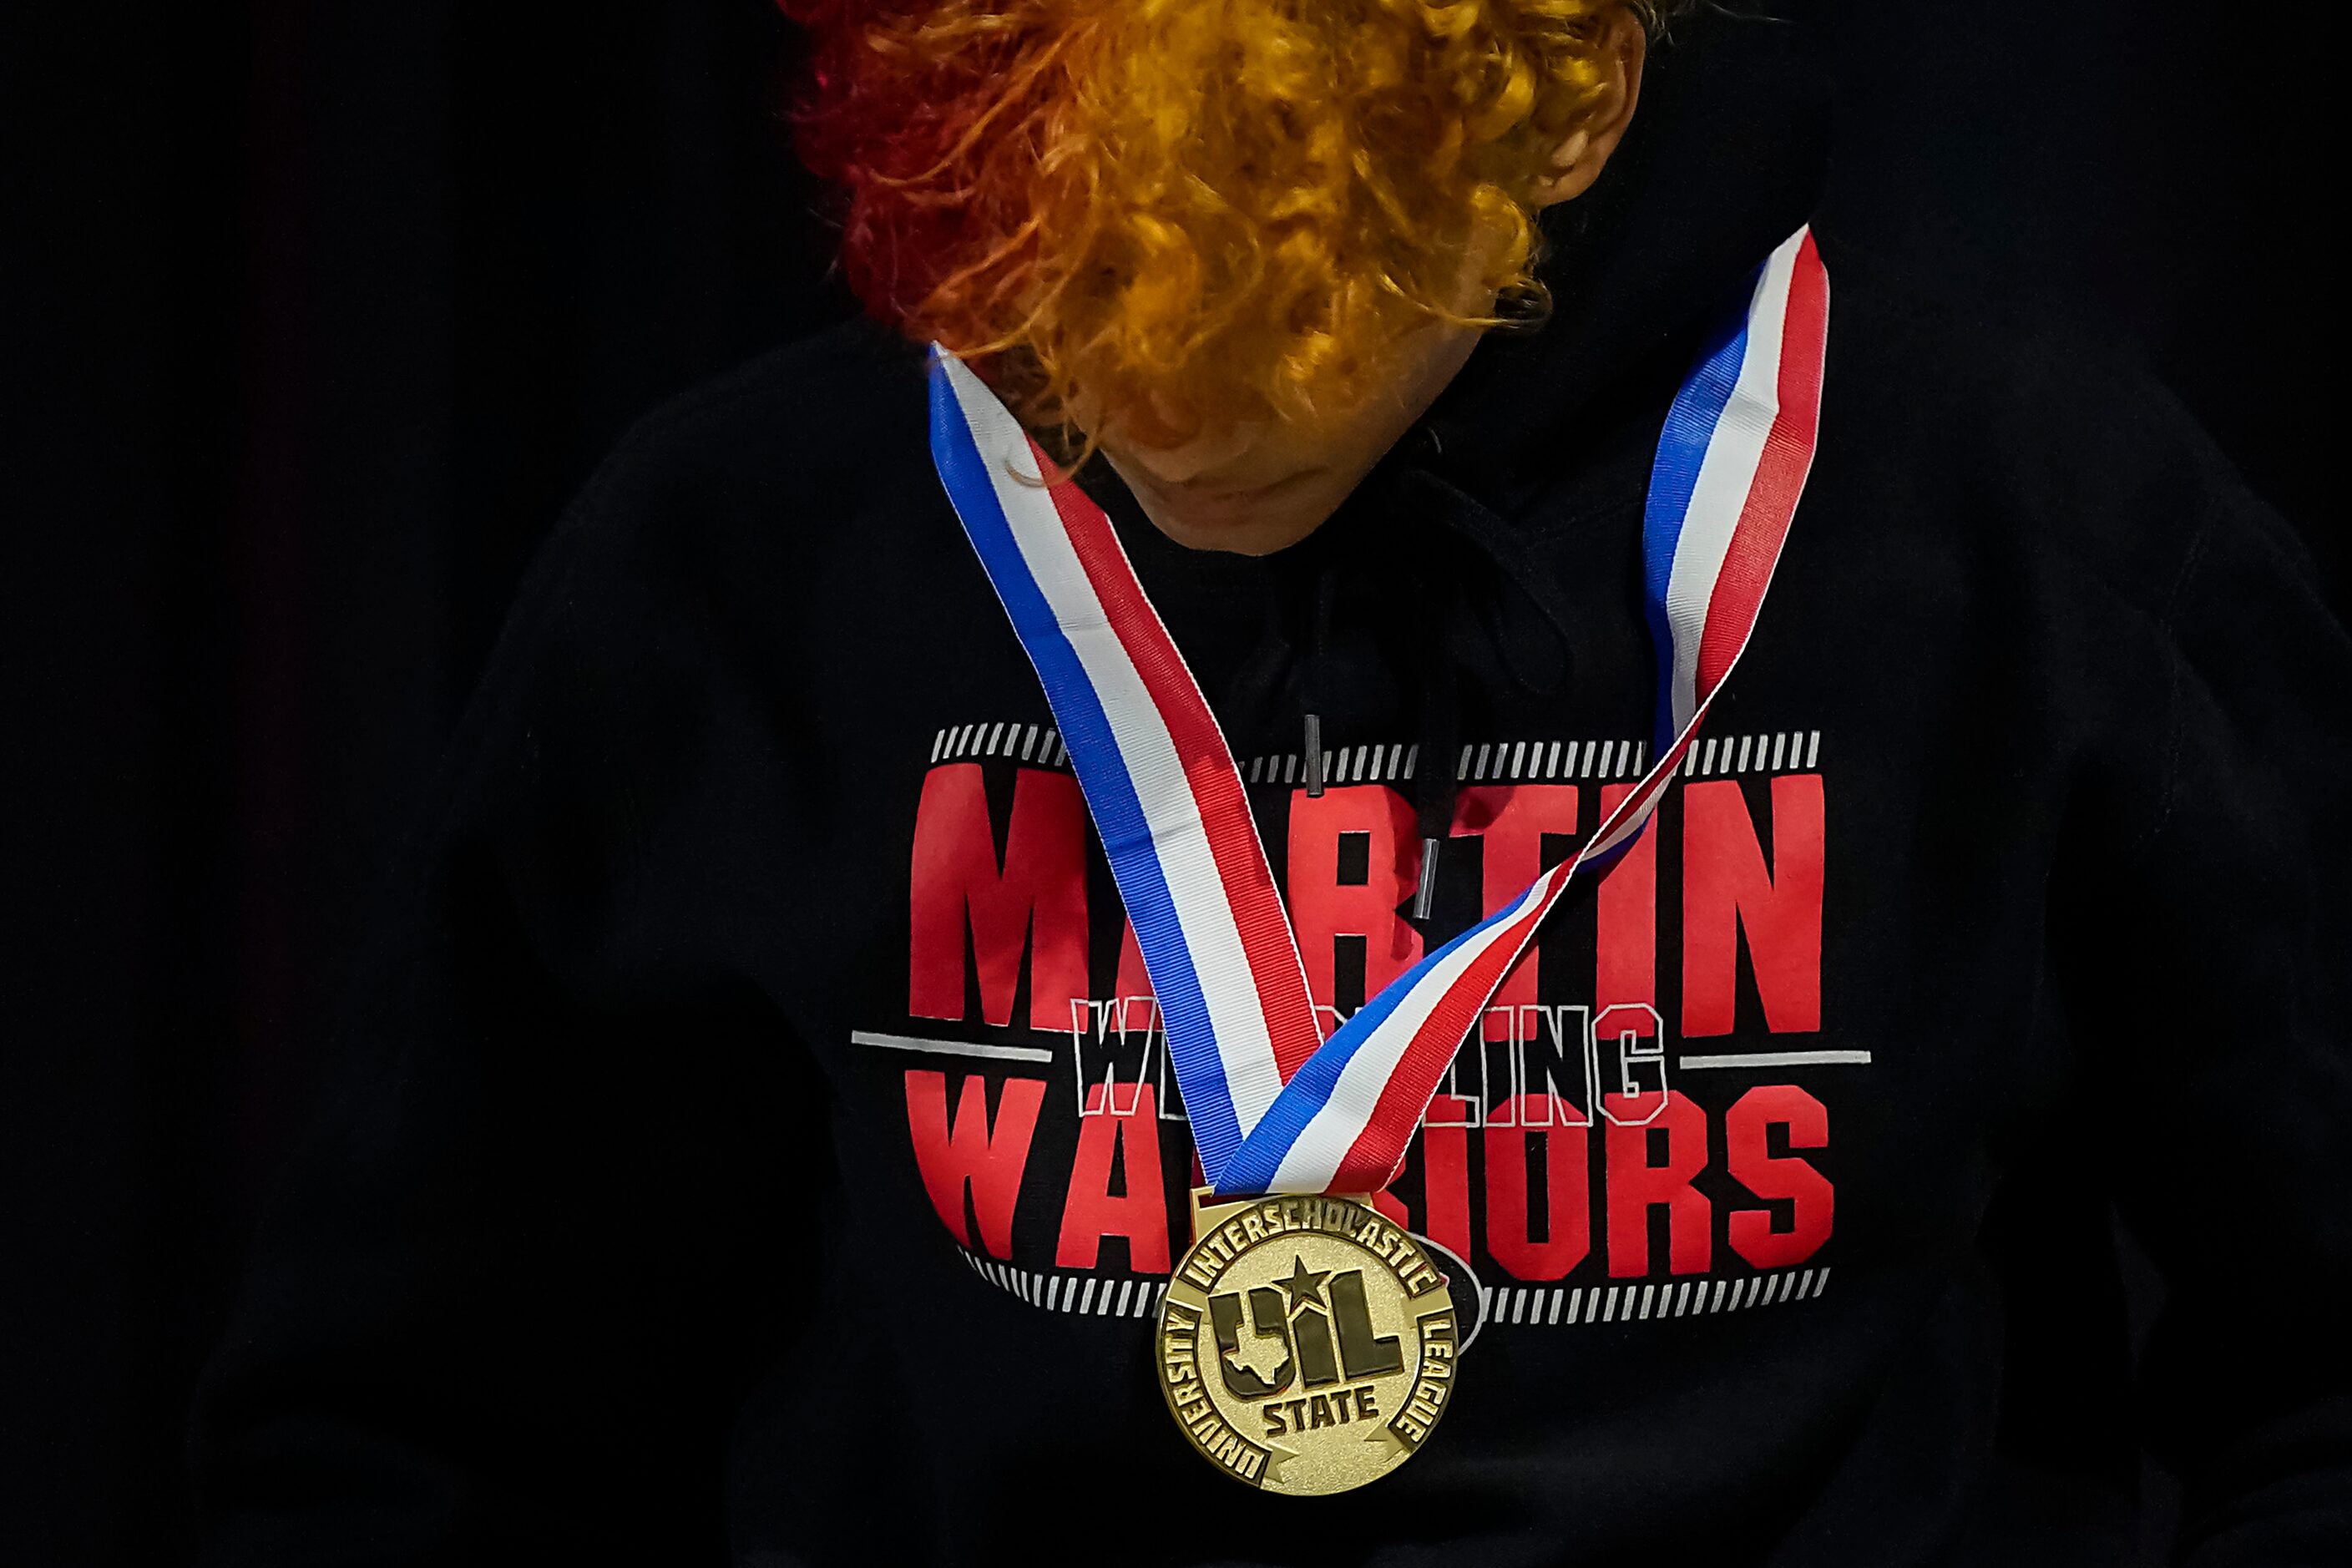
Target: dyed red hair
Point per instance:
(1186, 210)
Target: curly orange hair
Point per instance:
(1187, 210)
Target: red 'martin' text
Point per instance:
(985, 902)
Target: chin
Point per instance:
(1243, 525)
(1246, 530)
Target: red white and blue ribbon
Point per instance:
(1274, 1105)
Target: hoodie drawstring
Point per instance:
(1326, 594)
(1439, 599)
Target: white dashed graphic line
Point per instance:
(1570, 1305)
(1062, 1293)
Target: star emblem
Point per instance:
(1304, 1285)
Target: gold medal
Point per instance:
(1306, 1345)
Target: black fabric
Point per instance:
(649, 1221)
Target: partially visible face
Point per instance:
(1255, 486)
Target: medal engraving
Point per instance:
(1307, 1343)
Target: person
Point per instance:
(759, 1139)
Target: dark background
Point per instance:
(314, 314)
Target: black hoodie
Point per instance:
(723, 1166)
